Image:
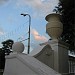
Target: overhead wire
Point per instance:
(14, 32)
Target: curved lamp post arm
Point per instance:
(28, 32)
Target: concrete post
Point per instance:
(60, 56)
(54, 28)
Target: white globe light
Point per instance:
(18, 47)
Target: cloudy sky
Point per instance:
(15, 26)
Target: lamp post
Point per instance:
(28, 31)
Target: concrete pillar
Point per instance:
(54, 28)
(60, 56)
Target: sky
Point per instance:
(15, 26)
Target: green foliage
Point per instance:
(7, 46)
(5, 50)
(2, 58)
(66, 9)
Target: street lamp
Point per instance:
(28, 31)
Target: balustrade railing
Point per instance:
(68, 74)
(71, 65)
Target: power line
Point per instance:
(14, 32)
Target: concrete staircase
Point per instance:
(21, 64)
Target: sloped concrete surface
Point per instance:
(21, 64)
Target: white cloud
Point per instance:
(41, 7)
(3, 1)
(1, 31)
(37, 36)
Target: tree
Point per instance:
(7, 46)
(66, 9)
(2, 58)
(5, 50)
